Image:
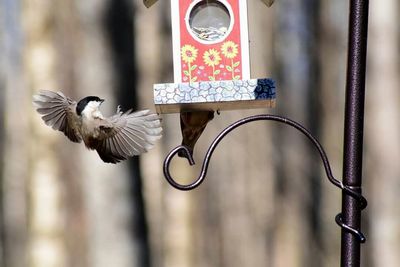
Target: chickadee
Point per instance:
(193, 124)
(116, 138)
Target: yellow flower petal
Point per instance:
(211, 57)
(229, 49)
(189, 53)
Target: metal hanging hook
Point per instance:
(266, 117)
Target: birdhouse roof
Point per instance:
(149, 3)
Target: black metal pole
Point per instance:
(353, 128)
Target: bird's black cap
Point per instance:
(84, 101)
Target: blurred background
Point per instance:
(266, 201)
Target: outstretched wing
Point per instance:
(57, 112)
(128, 134)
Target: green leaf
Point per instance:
(193, 67)
(211, 78)
(229, 68)
(194, 79)
(236, 64)
(186, 72)
(236, 77)
(217, 72)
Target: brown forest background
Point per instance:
(266, 201)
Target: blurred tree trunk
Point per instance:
(121, 32)
(298, 180)
(3, 72)
(382, 134)
(56, 228)
(104, 66)
(14, 137)
(332, 59)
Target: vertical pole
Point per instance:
(353, 128)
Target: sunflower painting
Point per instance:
(219, 62)
(189, 55)
(212, 58)
(230, 50)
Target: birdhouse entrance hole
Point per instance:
(209, 21)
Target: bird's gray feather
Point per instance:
(128, 134)
(57, 112)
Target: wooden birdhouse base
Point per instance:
(214, 95)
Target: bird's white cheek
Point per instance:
(87, 113)
(97, 115)
(92, 112)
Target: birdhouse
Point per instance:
(211, 59)
(210, 40)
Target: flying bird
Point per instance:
(116, 138)
(193, 124)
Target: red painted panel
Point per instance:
(204, 62)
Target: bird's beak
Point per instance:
(102, 100)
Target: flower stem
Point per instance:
(213, 71)
(190, 72)
(233, 73)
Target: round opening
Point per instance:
(209, 21)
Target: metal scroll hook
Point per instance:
(167, 174)
(262, 117)
(185, 151)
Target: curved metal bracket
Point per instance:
(266, 117)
